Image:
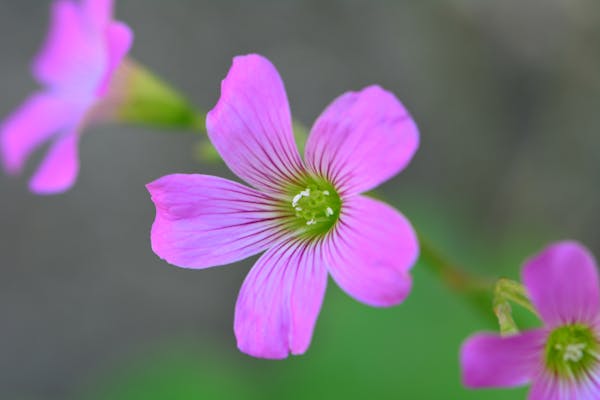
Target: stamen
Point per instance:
(296, 199)
(316, 206)
(574, 352)
(571, 351)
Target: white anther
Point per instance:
(296, 199)
(311, 221)
(298, 209)
(328, 211)
(326, 192)
(574, 352)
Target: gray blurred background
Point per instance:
(506, 94)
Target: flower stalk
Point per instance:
(505, 292)
(474, 290)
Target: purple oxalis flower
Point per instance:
(76, 66)
(562, 359)
(308, 215)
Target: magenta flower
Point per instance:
(562, 359)
(309, 216)
(76, 66)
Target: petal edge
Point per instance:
(362, 139)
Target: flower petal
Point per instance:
(73, 58)
(279, 302)
(99, 12)
(489, 360)
(40, 117)
(562, 282)
(362, 139)
(548, 387)
(119, 38)
(58, 171)
(251, 125)
(370, 252)
(204, 221)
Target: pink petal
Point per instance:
(562, 282)
(40, 117)
(98, 12)
(251, 125)
(362, 139)
(204, 221)
(371, 252)
(548, 387)
(73, 58)
(279, 302)
(58, 171)
(489, 360)
(119, 38)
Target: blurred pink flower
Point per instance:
(562, 359)
(308, 215)
(76, 66)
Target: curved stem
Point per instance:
(507, 291)
(475, 290)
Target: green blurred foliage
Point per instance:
(409, 351)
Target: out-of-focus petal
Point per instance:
(562, 282)
(204, 221)
(59, 169)
(548, 387)
(488, 360)
(251, 125)
(98, 12)
(370, 252)
(119, 38)
(73, 59)
(362, 139)
(279, 302)
(40, 117)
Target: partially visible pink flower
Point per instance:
(76, 66)
(562, 359)
(309, 215)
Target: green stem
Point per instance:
(474, 290)
(505, 292)
(515, 292)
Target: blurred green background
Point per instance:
(506, 95)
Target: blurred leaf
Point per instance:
(176, 373)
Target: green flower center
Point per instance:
(571, 350)
(316, 208)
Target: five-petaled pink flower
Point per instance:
(76, 66)
(562, 359)
(308, 215)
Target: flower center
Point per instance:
(316, 208)
(571, 350)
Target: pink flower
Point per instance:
(308, 215)
(562, 359)
(76, 65)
